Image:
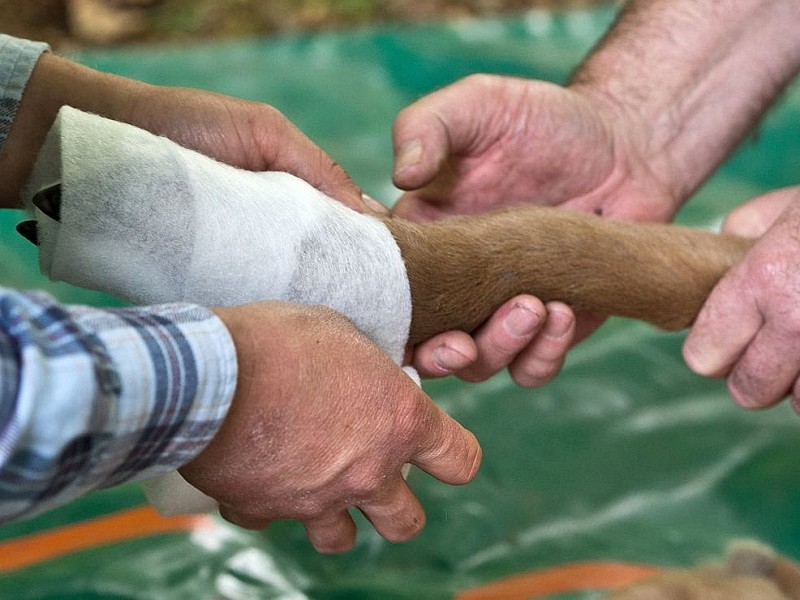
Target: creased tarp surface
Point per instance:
(626, 457)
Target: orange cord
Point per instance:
(574, 577)
(142, 521)
(137, 522)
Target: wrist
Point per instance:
(56, 82)
(694, 76)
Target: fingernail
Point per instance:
(448, 360)
(408, 155)
(28, 230)
(559, 324)
(48, 200)
(374, 204)
(522, 321)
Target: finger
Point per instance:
(543, 359)
(243, 520)
(512, 327)
(331, 534)
(444, 354)
(752, 219)
(438, 126)
(373, 205)
(330, 178)
(446, 450)
(758, 380)
(421, 144)
(300, 156)
(397, 514)
(724, 327)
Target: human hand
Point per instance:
(323, 421)
(489, 142)
(749, 328)
(525, 335)
(248, 135)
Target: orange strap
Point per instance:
(125, 525)
(142, 521)
(573, 577)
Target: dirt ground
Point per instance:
(70, 23)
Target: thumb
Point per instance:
(726, 324)
(752, 219)
(445, 123)
(421, 145)
(447, 450)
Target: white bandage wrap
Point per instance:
(152, 222)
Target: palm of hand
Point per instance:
(511, 141)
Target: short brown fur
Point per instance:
(463, 268)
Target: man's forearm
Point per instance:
(695, 75)
(55, 82)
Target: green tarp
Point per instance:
(626, 456)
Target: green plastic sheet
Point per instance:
(626, 456)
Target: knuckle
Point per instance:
(367, 482)
(410, 413)
(369, 485)
(308, 507)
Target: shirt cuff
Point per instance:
(17, 60)
(173, 370)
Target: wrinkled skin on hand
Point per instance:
(749, 329)
(488, 142)
(323, 421)
(248, 135)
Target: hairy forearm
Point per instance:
(56, 82)
(695, 76)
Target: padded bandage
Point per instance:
(151, 222)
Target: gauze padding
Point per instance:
(149, 221)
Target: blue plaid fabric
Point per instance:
(91, 398)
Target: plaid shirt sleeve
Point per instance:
(17, 59)
(91, 398)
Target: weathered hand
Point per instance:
(249, 135)
(749, 329)
(245, 134)
(321, 422)
(488, 142)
